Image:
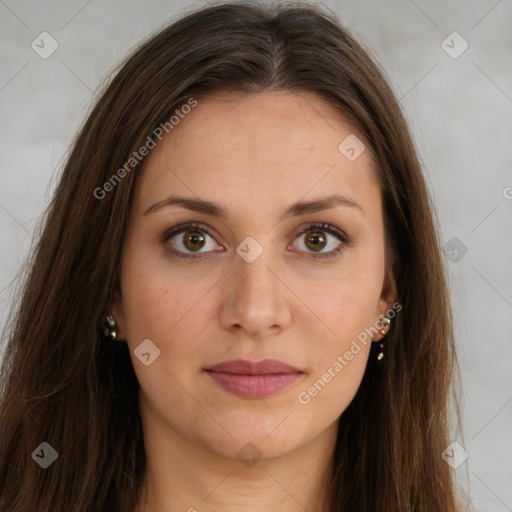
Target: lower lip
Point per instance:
(254, 386)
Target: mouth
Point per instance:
(251, 379)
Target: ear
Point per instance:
(388, 294)
(119, 315)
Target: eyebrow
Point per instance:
(296, 209)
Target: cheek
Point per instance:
(167, 310)
(345, 302)
(345, 309)
(328, 394)
(156, 306)
(167, 306)
(340, 353)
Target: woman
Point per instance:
(237, 300)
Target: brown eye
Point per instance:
(187, 239)
(193, 240)
(317, 237)
(190, 238)
(315, 240)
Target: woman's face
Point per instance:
(251, 283)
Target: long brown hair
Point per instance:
(63, 384)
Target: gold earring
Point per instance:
(110, 328)
(380, 355)
(385, 321)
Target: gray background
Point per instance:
(460, 111)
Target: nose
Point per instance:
(256, 298)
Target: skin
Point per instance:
(255, 155)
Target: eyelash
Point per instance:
(327, 228)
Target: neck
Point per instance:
(184, 476)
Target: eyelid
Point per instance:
(327, 227)
(186, 226)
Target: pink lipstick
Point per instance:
(251, 379)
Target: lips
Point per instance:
(244, 367)
(251, 379)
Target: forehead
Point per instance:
(297, 123)
(260, 145)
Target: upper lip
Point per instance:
(245, 367)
